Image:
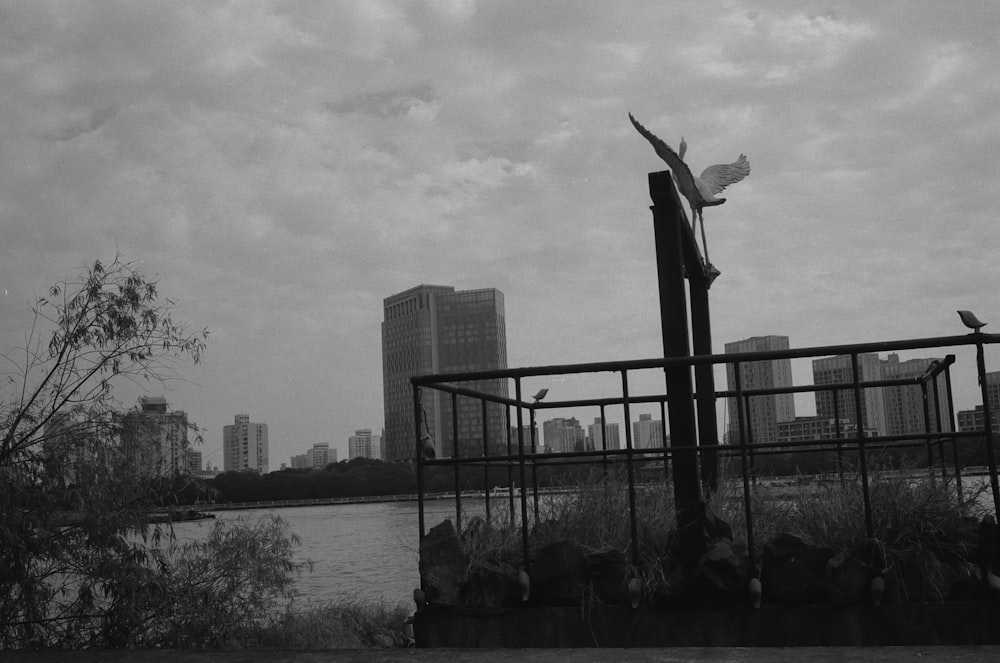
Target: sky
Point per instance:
(281, 168)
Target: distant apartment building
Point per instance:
(563, 434)
(648, 433)
(971, 421)
(803, 429)
(155, 439)
(993, 395)
(528, 434)
(363, 444)
(321, 455)
(194, 465)
(66, 440)
(762, 412)
(597, 434)
(840, 403)
(301, 462)
(245, 446)
(432, 329)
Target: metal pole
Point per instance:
(455, 454)
(486, 465)
(520, 462)
(988, 422)
(861, 443)
(420, 459)
(952, 427)
(631, 473)
(741, 421)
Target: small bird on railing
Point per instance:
(970, 320)
(699, 191)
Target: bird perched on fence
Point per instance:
(970, 320)
(699, 191)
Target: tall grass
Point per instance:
(346, 624)
(922, 532)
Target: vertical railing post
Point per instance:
(666, 451)
(863, 460)
(927, 427)
(455, 456)
(520, 462)
(534, 465)
(741, 421)
(630, 471)
(604, 442)
(486, 464)
(419, 456)
(988, 423)
(952, 428)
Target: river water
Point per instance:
(363, 551)
(370, 551)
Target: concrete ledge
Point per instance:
(896, 624)
(681, 655)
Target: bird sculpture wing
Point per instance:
(719, 176)
(685, 179)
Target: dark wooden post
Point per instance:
(704, 374)
(669, 228)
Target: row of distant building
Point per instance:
(433, 329)
(363, 444)
(884, 410)
(156, 441)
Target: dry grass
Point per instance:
(921, 530)
(348, 624)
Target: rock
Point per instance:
(443, 564)
(794, 570)
(722, 572)
(490, 587)
(711, 527)
(847, 579)
(558, 574)
(383, 640)
(968, 584)
(607, 572)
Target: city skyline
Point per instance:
(281, 168)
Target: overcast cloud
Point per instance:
(282, 167)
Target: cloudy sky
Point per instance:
(283, 167)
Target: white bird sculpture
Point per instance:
(699, 191)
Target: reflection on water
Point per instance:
(364, 551)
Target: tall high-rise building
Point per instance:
(433, 329)
(763, 412)
(563, 434)
(363, 444)
(596, 435)
(838, 370)
(647, 433)
(904, 404)
(244, 445)
(993, 395)
(155, 438)
(975, 419)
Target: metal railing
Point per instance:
(517, 451)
